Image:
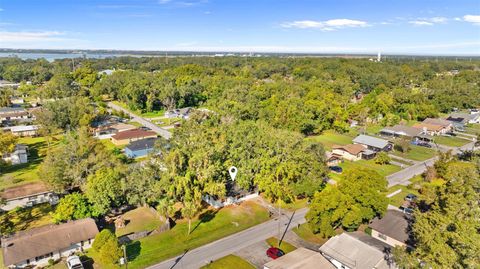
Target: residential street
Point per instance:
(162, 132)
(198, 257)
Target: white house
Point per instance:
(36, 246)
(351, 152)
(18, 156)
(24, 130)
(27, 195)
(357, 251)
(13, 114)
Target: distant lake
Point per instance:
(53, 56)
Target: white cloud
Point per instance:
(428, 21)
(475, 19)
(329, 25)
(30, 36)
(421, 23)
(438, 19)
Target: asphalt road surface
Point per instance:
(162, 132)
(199, 257)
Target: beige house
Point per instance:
(24, 130)
(392, 228)
(351, 152)
(124, 138)
(27, 195)
(36, 246)
(301, 258)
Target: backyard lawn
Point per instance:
(398, 199)
(450, 141)
(285, 246)
(304, 232)
(209, 226)
(29, 217)
(230, 261)
(330, 138)
(153, 114)
(20, 174)
(473, 129)
(384, 170)
(139, 219)
(416, 153)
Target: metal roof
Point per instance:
(371, 141)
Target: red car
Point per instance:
(274, 253)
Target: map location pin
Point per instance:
(233, 172)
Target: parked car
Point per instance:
(73, 262)
(451, 133)
(406, 210)
(410, 197)
(275, 253)
(336, 169)
(424, 144)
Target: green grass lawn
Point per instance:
(398, 199)
(417, 153)
(139, 219)
(450, 141)
(285, 246)
(152, 114)
(472, 129)
(304, 232)
(211, 225)
(230, 261)
(14, 175)
(330, 138)
(29, 217)
(383, 170)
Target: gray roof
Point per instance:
(11, 109)
(441, 122)
(394, 224)
(46, 239)
(402, 130)
(462, 117)
(142, 144)
(300, 258)
(371, 141)
(356, 251)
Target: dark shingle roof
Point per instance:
(394, 224)
(142, 144)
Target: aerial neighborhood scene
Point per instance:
(215, 134)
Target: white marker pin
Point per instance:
(233, 172)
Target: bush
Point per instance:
(51, 262)
(382, 158)
(107, 246)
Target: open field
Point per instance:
(209, 226)
(450, 141)
(330, 138)
(304, 232)
(14, 175)
(230, 261)
(139, 219)
(416, 153)
(383, 170)
(285, 246)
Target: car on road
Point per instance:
(73, 262)
(406, 210)
(275, 253)
(410, 197)
(336, 169)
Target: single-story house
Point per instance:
(332, 159)
(140, 148)
(6, 83)
(392, 228)
(401, 131)
(107, 72)
(24, 130)
(36, 246)
(351, 152)
(17, 100)
(124, 138)
(301, 258)
(18, 156)
(431, 129)
(28, 195)
(373, 143)
(107, 131)
(447, 125)
(13, 114)
(183, 113)
(357, 251)
(462, 119)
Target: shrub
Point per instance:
(382, 158)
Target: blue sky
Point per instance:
(350, 26)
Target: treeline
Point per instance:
(306, 95)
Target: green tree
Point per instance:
(103, 189)
(7, 142)
(402, 145)
(189, 210)
(382, 158)
(357, 199)
(73, 206)
(107, 247)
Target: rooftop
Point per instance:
(394, 224)
(24, 190)
(353, 149)
(11, 109)
(23, 128)
(46, 239)
(300, 258)
(142, 144)
(402, 130)
(136, 133)
(371, 141)
(429, 126)
(441, 122)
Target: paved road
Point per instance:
(162, 132)
(402, 177)
(198, 257)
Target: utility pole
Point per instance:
(125, 256)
